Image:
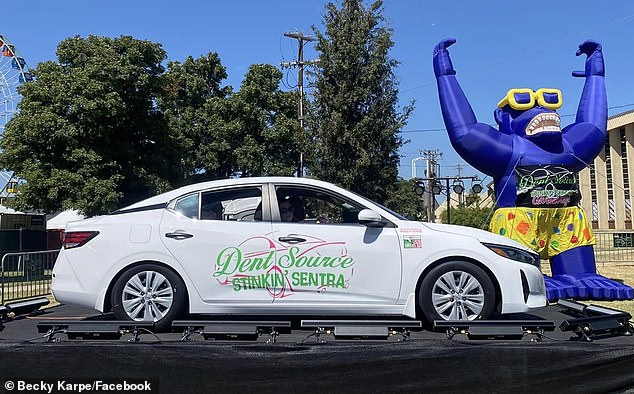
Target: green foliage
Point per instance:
(88, 134)
(265, 124)
(353, 119)
(106, 125)
(468, 216)
(221, 133)
(404, 200)
(191, 92)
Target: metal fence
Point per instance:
(26, 274)
(614, 247)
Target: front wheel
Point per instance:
(456, 290)
(148, 292)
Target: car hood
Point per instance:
(480, 235)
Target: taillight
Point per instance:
(75, 239)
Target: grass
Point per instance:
(619, 272)
(16, 287)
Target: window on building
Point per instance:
(626, 177)
(608, 175)
(593, 194)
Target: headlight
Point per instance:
(515, 254)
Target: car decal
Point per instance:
(412, 242)
(280, 268)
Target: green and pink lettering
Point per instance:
(281, 269)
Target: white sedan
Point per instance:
(287, 246)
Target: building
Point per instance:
(605, 184)
(485, 199)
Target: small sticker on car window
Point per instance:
(412, 241)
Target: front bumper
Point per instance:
(525, 292)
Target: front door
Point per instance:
(326, 256)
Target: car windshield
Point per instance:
(396, 214)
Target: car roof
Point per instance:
(166, 197)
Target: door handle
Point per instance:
(178, 236)
(291, 240)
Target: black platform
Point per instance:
(426, 362)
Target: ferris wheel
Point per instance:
(13, 72)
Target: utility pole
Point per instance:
(299, 63)
(431, 157)
(459, 168)
(431, 184)
(437, 188)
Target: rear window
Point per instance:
(188, 206)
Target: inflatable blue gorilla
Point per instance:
(534, 164)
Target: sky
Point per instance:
(501, 44)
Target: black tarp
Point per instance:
(443, 366)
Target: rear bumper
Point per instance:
(67, 288)
(75, 298)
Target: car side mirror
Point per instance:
(369, 218)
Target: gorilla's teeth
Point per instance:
(543, 122)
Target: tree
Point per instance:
(251, 132)
(190, 91)
(271, 139)
(469, 216)
(404, 200)
(88, 134)
(353, 116)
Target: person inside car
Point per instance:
(291, 209)
(211, 212)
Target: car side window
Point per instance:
(242, 204)
(188, 206)
(314, 206)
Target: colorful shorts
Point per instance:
(548, 231)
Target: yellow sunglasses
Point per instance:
(523, 99)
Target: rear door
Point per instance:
(221, 237)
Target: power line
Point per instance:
(553, 43)
(561, 116)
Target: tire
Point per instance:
(133, 298)
(473, 294)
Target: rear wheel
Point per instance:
(456, 290)
(148, 292)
